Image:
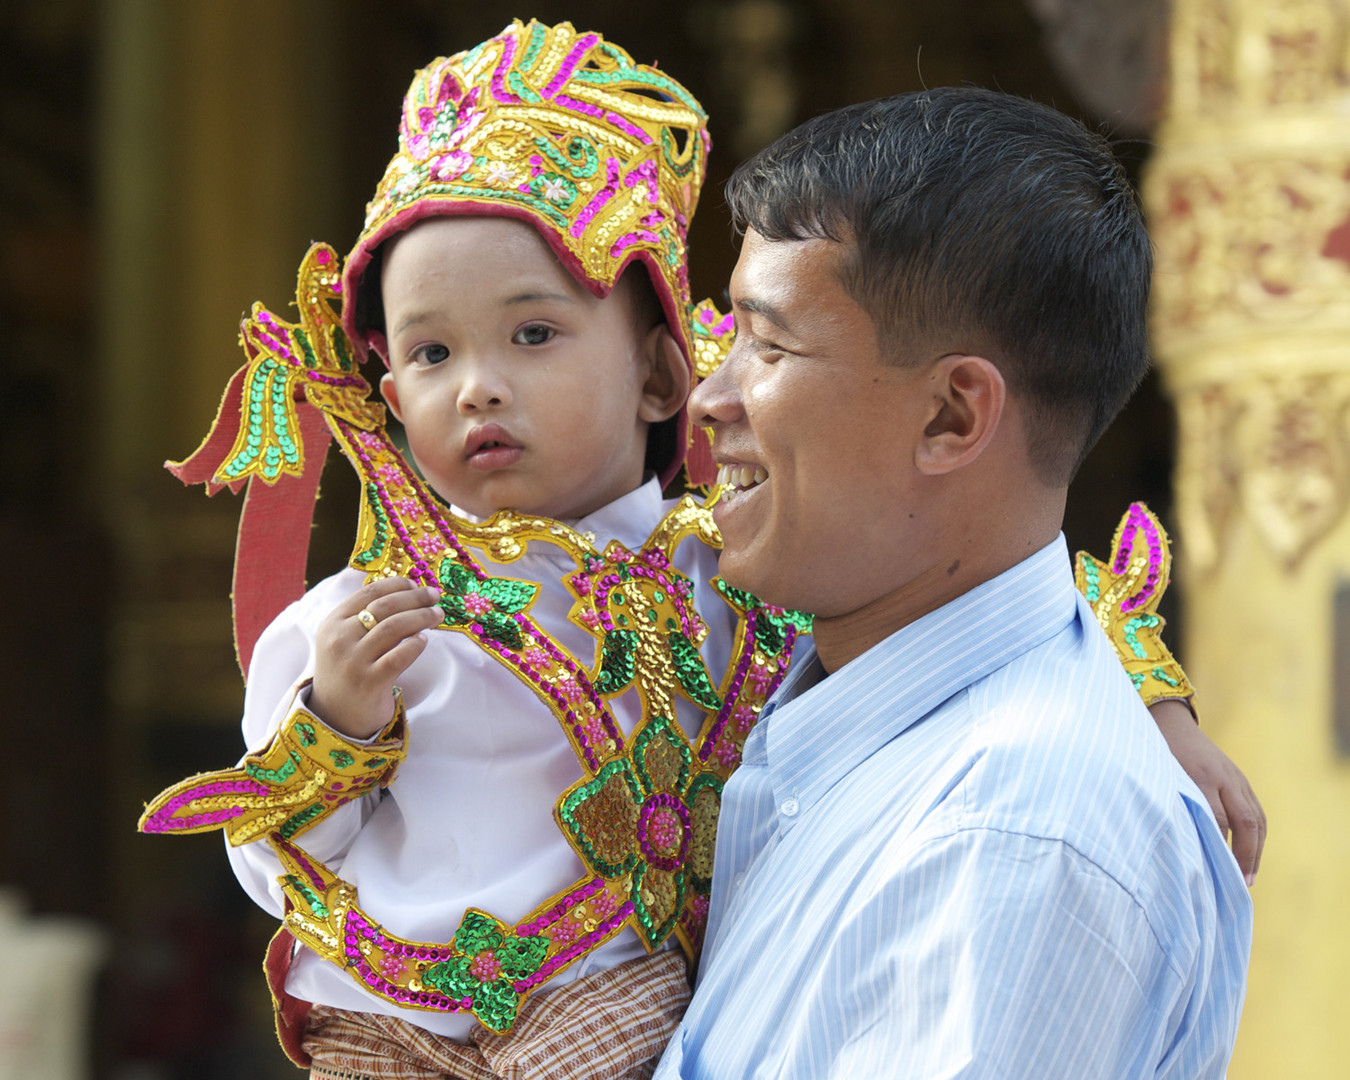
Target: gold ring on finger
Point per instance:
(366, 619)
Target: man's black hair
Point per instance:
(983, 221)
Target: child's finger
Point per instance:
(385, 634)
(381, 592)
(398, 659)
(383, 607)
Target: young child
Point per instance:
(522, 273)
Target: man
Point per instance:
(957, 845)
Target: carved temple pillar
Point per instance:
(1249, 204)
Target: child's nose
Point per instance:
(482, 388)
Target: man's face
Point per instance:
(806, 404)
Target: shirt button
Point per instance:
(789, 807)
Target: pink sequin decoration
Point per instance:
(485, 967)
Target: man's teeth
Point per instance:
(740, 476)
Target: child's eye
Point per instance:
(534, 334)
(431, 354)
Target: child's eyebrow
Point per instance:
(412, 320)
(531, 297)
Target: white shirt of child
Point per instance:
(468, 821)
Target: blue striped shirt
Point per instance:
(968, 853)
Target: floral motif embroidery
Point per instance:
(643, 815)
(489, 602)
(493, 961)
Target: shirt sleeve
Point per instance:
(283, 662)
(993, 954)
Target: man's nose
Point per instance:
(717, 398)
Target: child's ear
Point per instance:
(667, 386)
(967, 405)
(389, 389)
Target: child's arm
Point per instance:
(1230, 796)
(351, 693)
(363, 646)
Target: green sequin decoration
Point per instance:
(602, 815)
(1162, 676)
(646, 880)
(476, 933)
(628, 74)
(670, 757)
(692, 672)
(312, 898)
(380, 541)
(771, 622)
(494, 1001)
(1092, 587)
(553, 182)
(532, 47)
(279, 775)
(341, 759)
(306, 733)
(618, 662)
(581, 162)
(541, 206)
(522, 89)
(1132, 629)
(464, 596)
(296, 822)
(265, 408)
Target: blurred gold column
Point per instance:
(215, 172)
(1249, 204)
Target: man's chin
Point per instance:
(738, 572)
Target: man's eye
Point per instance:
(534, 334)
(766, 350)
(432, 354)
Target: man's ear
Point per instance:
(666, 388)
(389, 390)
(969, 398)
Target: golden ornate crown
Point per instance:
(562, 129)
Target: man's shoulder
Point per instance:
(1067, 751)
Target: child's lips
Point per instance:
(491, 447)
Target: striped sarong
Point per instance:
(612, 1025)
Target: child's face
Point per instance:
(517, 387)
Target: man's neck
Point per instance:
(842, 638)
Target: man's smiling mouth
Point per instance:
(738, 478)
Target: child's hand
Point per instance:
(355, 668)
(1230, 796)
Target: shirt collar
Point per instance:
(629, 519)
(823, 731)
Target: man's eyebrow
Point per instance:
(763, 307)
